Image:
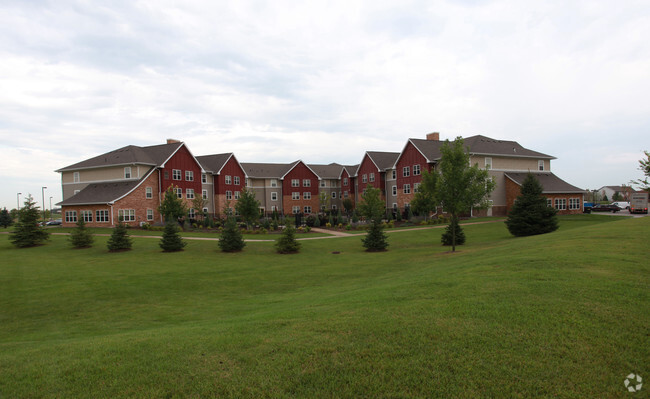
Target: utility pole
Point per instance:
(43, 193)
(18, 201)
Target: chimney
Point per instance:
(172, 141)
(435, 136)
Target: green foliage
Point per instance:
(376, 239)
(5, 218)
(248, 207)
(348, 205)
(171, 240)
(617, 197)
(287, 243)
(231, 239)
(425, 200)
(409, 214)
(453, 229)
(172, 207)
(27, 232)
(81, 237)
(120, 239)
(324, 201)
(530, 215)
(355, 216)
(317, 221)
(461, 187)
(398, 215)
(644, 166)
(198, 203)
(371, 205)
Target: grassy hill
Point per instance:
(558, 315)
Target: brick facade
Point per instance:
(410, 157)
(513, 190)
(300, 172)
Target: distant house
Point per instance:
(377, 169)
(609, 192)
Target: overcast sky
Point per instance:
(321, 81)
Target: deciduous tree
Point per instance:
(248, 207)
(425, 199)
(644, 166)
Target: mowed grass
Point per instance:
(558, 315)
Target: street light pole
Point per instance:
(50, 207)
(18, 201)
(43, 192)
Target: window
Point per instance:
(306, 183)
(71, 216)
(274, 196)
(101, 216)
(75, 177)
(333, 194)
(394, 205)
(204, 194)
(549, 202)
(126, 215)
(345, 181)
(205, 211)
(394, 191)
(574, 203)
(364, 179)
(167, 175)
(246, 182)
(189, 193)
(333, 207)
(345, 194)
(372, 177)
(228, 179)
(295, 210)
(191, 213)
(127, 172)
(306, 195)
(394, 174)
(416, 187)
(87, 216)
(237, 180)
(295, 195)
(488, 163)
(540, 164)
(274, 208)
(189, 175)
(148, 192)
(76, 192)
(204, 178)
(416, 170)
(407, 189)
(237, 193)
(406, 171)
(150, 214)
(295, 182)
(228, 195)
(176, 174)
(560, 204)
(307, 209)
(179, 192)
(274, 182)
(322, 183)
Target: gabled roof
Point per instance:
(155, 155)
(383, 160)
(351, 169)
(430, 149)
(267, 170)
(331, 171)
(215, 162)
(551, 183)
(101, 193)
(487, 146)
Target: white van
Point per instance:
(622, 204)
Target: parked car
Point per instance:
(605, 208)
(622, 204)
(586, 207)
(55, 222)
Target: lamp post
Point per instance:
(18, 201)
(43, 193)
(50, 208)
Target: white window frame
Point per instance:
(306, 195)
(236, 180)
(176, 174)
(87, 216)
(274, 182)
(189, 193)
(274, 195)
(364, 179)
(540, 165)
(549, 202)
(127, 172)
(394, 174)
(228, 179)
(406, 171)
(191, 213)
(295, 210)
(345, 181)
(574, 203)
(416, 187)
(148, 192)
(71, 216)
(189, 175)
(149, 214)
(322, 183)
(345, 194)
(75, 177)
(560, 204)
(295, 182)
(394, 190)
(488, 163)
(407, 189)
(295, 195)
(126, 215)
(204, 178)
(237, 194)
(371, 178)
(179, 192)
(228, 194)
(307, 209)
(204, 194)
(416, 170)
(334, 194)
(102, 216)
(306, 182)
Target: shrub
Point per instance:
(231, 239)
(287, 243)
(376, 239)
(80, 236)
(119, 240)
(171, 241)
(5, 218)
(530, 215)
(448, 235)
(27, 232)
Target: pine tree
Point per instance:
(5, 218)
(80, 236)
(287, 243)
(375, 240)
(530, 215)
(231, 239)
(453, 228)
(171, 241)
(27, 232)
(119, 240)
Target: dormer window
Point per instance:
(540, 164)
(127, 172)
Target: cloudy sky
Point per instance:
(321, 81)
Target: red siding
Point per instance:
(410, 157)
(349, 188)
(300, 172)
(184, 161)
(366, 168)
(232, 169)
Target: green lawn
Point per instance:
(558, 315)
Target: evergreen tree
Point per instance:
(530, 215)
(119, 240)
(5, 218)
(172, 207)
(453, 228)
(80, 236)
(231, 239)
(27, 232)
(171, 241)
(376, 239)
(317, 221)
(398, 215)
(287, 243)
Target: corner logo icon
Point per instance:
(633, 382)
